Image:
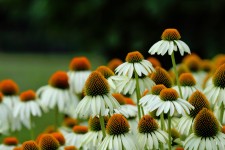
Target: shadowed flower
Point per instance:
(114, 63)
(149, 135)
(80, 69)
(30, 145)
(28, 106)
(206, 134)
(98, 97)
(187, 85)
(215, 91)
(170, 42)
(94, 136)
(135, 62)
(9, 143)
(57, 93)
(199, 101)
(118, 136)
(74, 138)
(161, 76)
(48, 142)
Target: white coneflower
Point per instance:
(206, 134)
(98, 97)
(135, 62)
(57, 93)
(199, 101)
(80, 69)
(30, 145)
(74, 138)
(28, 106)
(5, 117)
(118, 136)
(10, 92)
(170, 42)
(149, 135)
(187, 85)
(48, 142)
(94, 136)
(9, 143)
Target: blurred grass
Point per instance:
(31, 71)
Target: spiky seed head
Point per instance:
(8, 87)
(168, 94)
(154, 61)
(59, 80)
(129, 101)
(170, 34)
(206, 65)
(70, 122)
(134, 57)
(80, 64)
(11, 141)
(17, 148)
(193, 62)
(219, 77)
(1, 97)
(105, 71)
(156, 89)
(206, 124)
(161, 76)
(48, 142)
(59, 136)
(218, 60)
(223, 129)
(96, 84)
(28, 95)
(147, 124)
(117, 125)
(94, 123)
(179, 148)
(199, 101)
(120, 98)
(187, 79)
(182, 68)
(114, 63)
(80, 129)
(30, 145)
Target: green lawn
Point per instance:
(31, 71)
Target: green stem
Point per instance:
(162, 121)
(176, 73)
(169, 131)
(31, 129)
(56, 118)
(138, 94)
(221, 113)
(102, 123)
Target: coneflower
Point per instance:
(154, 61)
(30, 145)
(94, 136)
(199, 101)
(149, 135)
(206, 134)
(48, 142)
(114, 63)
(9, 143)
(118, 135)
(187, 85)
(74, 138)
(79, 70)
(56, 95)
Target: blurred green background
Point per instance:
(39, 37)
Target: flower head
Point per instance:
(70, 148)
(59, 80)
(186, 79)
(105, 71)
(94, 123)
(119, 97)
(48, 142)
(147, 124)
(70, 122)
(8, 87)
(79, 63)
(117, 125)
(80, 129)
(114, 63)
(28, 95)
(169, 94)
(161, 76)
(170, 42)
(59, 136)
(30, 145)
(135, 62)
(10, 141)
(193, 62)
(219, 77)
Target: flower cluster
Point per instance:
(132, 105)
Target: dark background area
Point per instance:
(110, 27)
